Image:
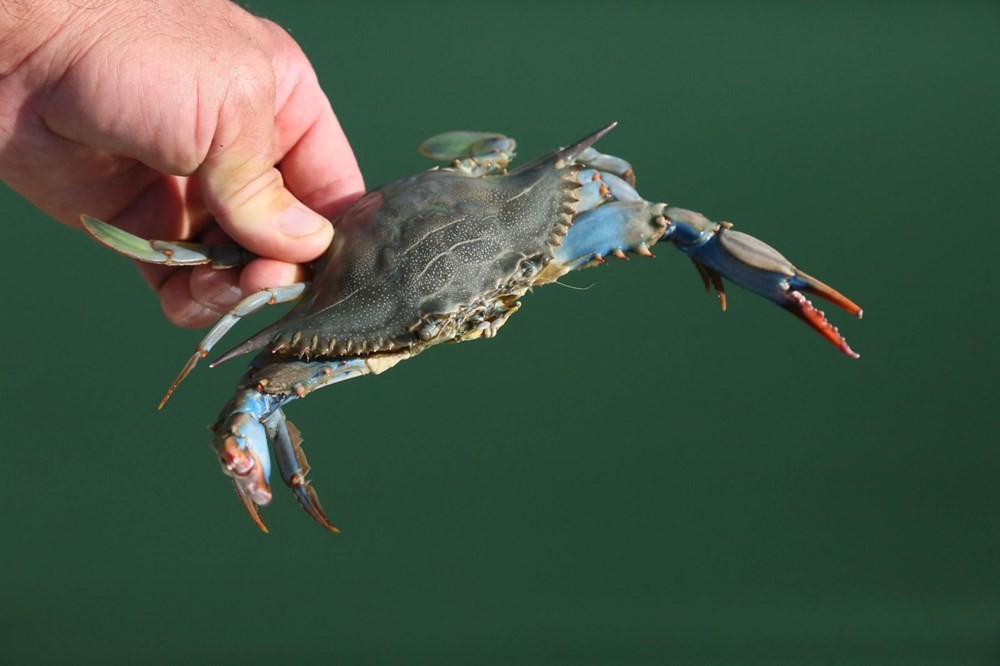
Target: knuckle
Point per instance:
(263, 190)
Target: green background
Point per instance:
(625, 475)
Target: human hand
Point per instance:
(168, 119)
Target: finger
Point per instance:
(321, 170)
(315, 157)
(242, 187)
(179, 304)
(168, 208)
(265, 273)
(197, 297)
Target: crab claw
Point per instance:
(241, 444)
(719, 252)
(294, 467)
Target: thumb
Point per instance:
(244, 190)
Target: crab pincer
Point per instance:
(719, 252)
(241, 444)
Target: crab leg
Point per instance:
(253, 420)
(241, 444)
(475, 153)
(593, 193)
(191, 254)
(719, 252)
(247, 306)
(294, 467)
(607, 164)
(627, 223)
(612, 228)
(166, 253)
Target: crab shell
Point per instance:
(435, 257)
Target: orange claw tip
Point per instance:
(825, 291)
(251, 507)
(260, 523)
(800, 306)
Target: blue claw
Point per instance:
(241, 444)
(294, 467)
(719, 252)
(253, 423)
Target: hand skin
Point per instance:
(174, 119)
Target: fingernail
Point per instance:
(298, 221)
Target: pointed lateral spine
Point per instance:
(567, 210)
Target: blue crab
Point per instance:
(445, 256)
